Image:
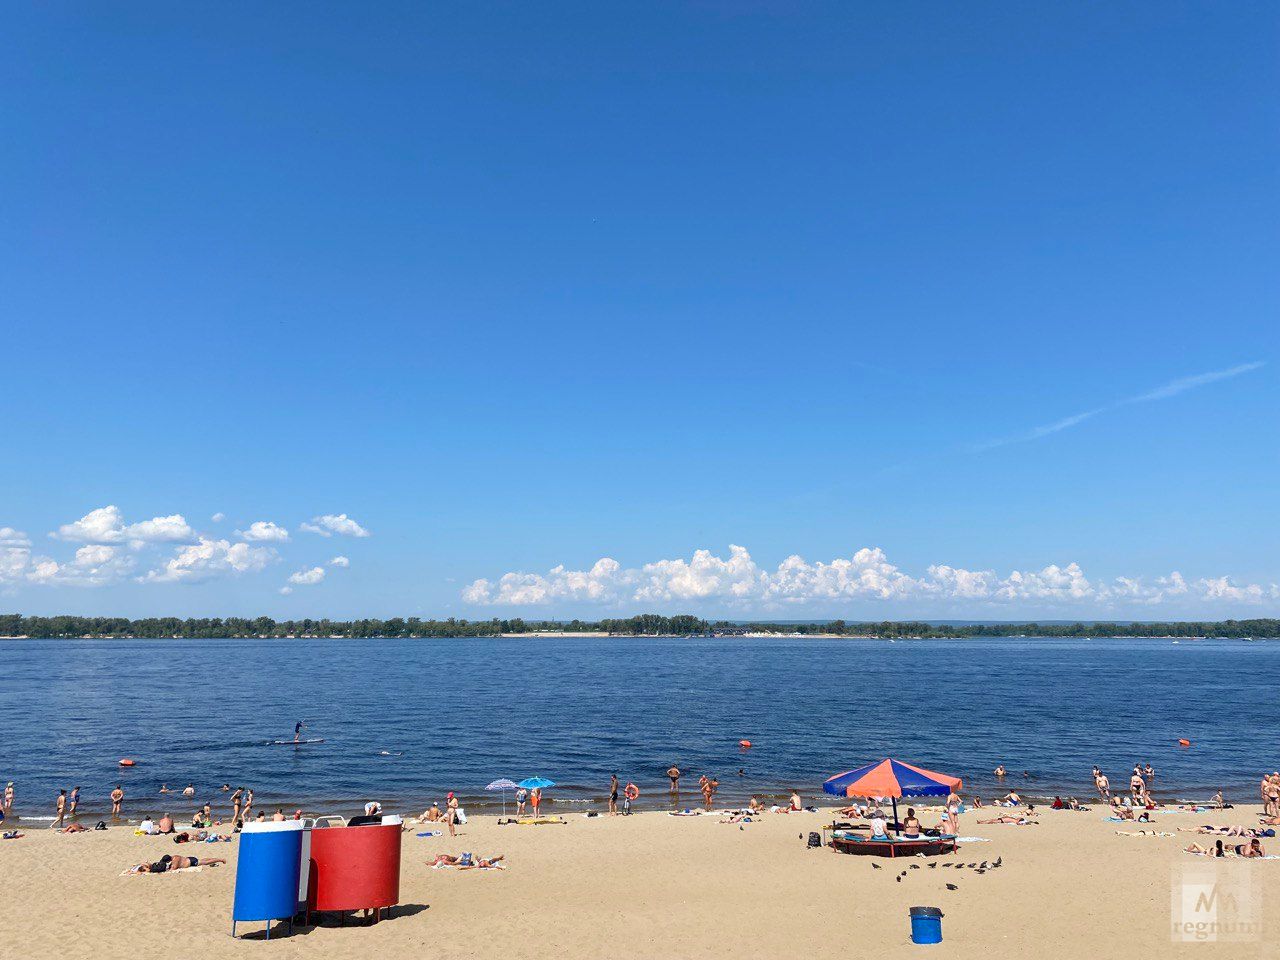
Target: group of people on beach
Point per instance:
(1140, 783)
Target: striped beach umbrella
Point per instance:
(893, 779)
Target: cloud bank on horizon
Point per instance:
(113, 551)
(737, 581)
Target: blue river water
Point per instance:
(457, 714)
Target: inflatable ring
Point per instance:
(631, 792)
(745, 744)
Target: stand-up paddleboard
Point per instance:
(293, 743)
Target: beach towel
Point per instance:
(685, 813)
(973, 839)
(135, 872)
(430, 833)
(1143, 833)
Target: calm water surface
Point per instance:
(464, 712)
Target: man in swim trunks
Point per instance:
(613, 795)
(1104, 787)
(75, 801)
(674, 773)
(117, 797)
(1137, 787)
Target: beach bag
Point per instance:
(460, 815)
(815, 839)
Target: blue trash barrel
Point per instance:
(267, 872)
(926, 925)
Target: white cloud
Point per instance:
(94, 565)
(868, 575)
(330, 523)
(106, 526)
(306, 578)
(208, 559)
(218, 517)
(285, 591)
(264, 531)
(339, 562)
(15, 555)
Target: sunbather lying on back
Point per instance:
(466, 861)
(171, 862)
(1016, 821)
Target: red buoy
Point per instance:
(1184, 743)
(127, 762)
(745, 744)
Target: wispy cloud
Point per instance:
(1175, 387)
(1164, 392)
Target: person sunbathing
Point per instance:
(431, 815)
(73, 828)
(1011, 799)
(1233, 831)
(1016, 821)
(755, 806)
(1215, 851)
(200, 836)
(1250, 850)
(176, 862)
(465, 861)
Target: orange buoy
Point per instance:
(1184, 743)
(745, 744)
(127, 762)
(631, 792)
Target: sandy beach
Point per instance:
(649, 886)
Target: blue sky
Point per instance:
(516, 288)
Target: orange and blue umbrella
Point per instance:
(893, 779)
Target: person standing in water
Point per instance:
(235, 804)
(8, 796)
(75, 801)
(674, 773)
(117, 797)
(61, 803)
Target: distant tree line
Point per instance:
(197, 628)
(649, 624)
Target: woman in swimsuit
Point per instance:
(613, 795)
(911, 826)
